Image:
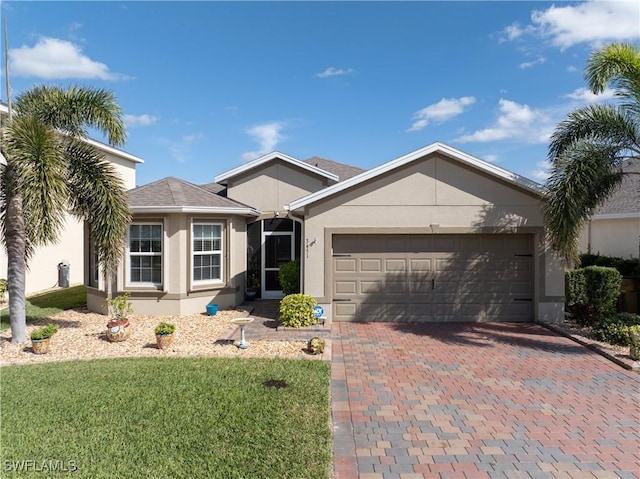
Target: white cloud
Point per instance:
(333, 72)
(52, 59)
(512, 32)
(584, 95)
(268, 135)
(592, 22)
(525, 65)
(133, 121)
(189, 139)
(444, 110)
(514, 121)
(541, 173)
(490, 158)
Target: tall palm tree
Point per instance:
(587, 149)
(51, 170)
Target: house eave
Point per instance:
(4, 109)
(195, 210)
(513, 178)
(616, 216)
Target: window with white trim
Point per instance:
(145, 254)
(206, 251)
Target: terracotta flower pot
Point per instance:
(117, 330)
(40, 346)
(164, 341)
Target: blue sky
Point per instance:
(206, 86)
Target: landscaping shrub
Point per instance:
(289, 276)
(296, 310)
(592, 293)
(602, 288)
(616, 329)
(575, 287)
(626, 267)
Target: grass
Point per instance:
(47, 304)
(168, 418)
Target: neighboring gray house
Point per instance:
(432, 235)
(614, 229)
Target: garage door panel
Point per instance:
(396, 287)
(345, 265)
(370, 286)
(434, 277)
(395, 265)
(420, 287)
(346, 287)
(423, 265)
(344, 310)
(369, 265)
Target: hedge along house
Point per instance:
(435, 235)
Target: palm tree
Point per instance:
(587, 149)
(51, 170)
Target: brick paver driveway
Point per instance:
(477, 401)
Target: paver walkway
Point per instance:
(479, 401)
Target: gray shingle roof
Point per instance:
(173, 192)
(343, 171)
(626, 199)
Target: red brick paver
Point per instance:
(479, 401)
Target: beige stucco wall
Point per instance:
(275, 184)
(178, 296)
(430, 196)
(618, 237)
(43, 265)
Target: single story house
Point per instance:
(614, 229)
(434, 235)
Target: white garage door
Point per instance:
(433, 277)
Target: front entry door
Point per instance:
(278, 250)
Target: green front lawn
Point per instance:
(47, 304)
(167, 418)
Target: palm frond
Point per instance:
(34, 154)
(99, 197)
(75, 109)
(617, 64)
(607, 124)
(581, 178)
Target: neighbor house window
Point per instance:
(145, 254)
(206, 248)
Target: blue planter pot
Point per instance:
(212, 309)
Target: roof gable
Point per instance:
(341, 170)
(175, 195)
(273, 156)
(446, 150)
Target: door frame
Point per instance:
(276, 294)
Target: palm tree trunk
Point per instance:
(16, 255)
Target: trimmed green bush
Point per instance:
(592, 293)
(289, 276)
(575, 287)
(296, 310)
(603, 288)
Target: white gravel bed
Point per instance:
(81, 335)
